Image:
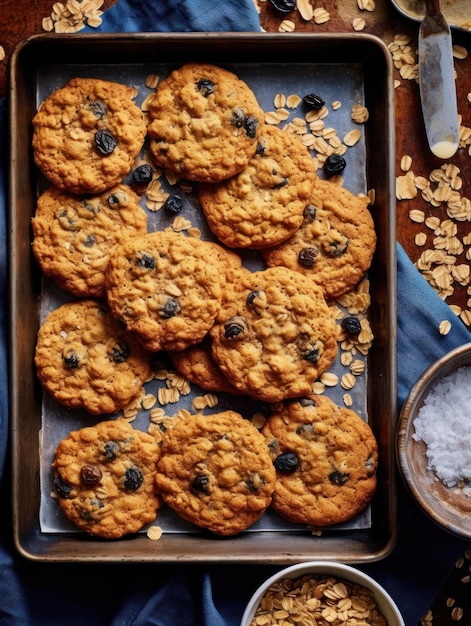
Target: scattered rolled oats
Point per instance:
(444, 327)
(360, 114)
(154, 533)
(352, 137)
(305, 9)
(321, 16)
(287, 26)
(358, 24)
(459, 52)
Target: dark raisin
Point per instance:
(283, 6)
(205, 86)
(90, 241)
(173, 204)
(72, 360)
(334, 164)
(105, 142)
(309, 213)
(113, 201)
(170, 308)
(307, 256)
(238, 117)
(351, 325)
(200, 484)
(111, 450)
(250, 125)
(260, 149)
(234, 327)
(142, 175)
(337, 247)
(90, 207)
(306, 431)
(90, 475)
(338, 478)
(146, 261)
(251, 297)
(98, 108)
(283, 182)
(134, 479)
(313, 101)
(62, 488)
(311, 355)
(286, 462)
(254, 482)
(119, 352)
(307, 402)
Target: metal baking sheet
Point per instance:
(349, 69)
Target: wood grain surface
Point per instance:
(23, 18)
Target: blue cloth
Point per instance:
(215, 595)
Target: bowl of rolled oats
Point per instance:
(321, 592)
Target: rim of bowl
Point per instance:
(340, 570)
(443, 366)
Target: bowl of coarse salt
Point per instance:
(433, 442)
(321, 592)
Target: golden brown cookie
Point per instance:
(215, 471)
(87, 135)
(74, 236)
(326, 458)
(274, 334)
(165, 288)
(104, 477)
(205, 123)
(84, 359)
(197, 365)
(335, 243)
(262, 205)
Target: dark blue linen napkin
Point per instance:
(214, 595)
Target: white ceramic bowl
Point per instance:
(384, 602)
(448, 507)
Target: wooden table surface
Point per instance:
(442, 241)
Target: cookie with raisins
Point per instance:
(104, 478)
(215, 471)
(74, 236)
(204, 123)
(326, 458)
(274, 334)
(165, 288)
(336, 241)
(85, 360)
(263, 204)
(87, 135)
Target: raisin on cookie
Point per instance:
(215, 471)
(262, 205)
(325, 457)
(205, 123)
(85, 360)
(74, 236)
(274, 334)
(165, 288)
(87, 135)
(334, 245)
(104, 477)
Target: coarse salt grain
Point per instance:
(443, 423)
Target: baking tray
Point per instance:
(358, 69)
